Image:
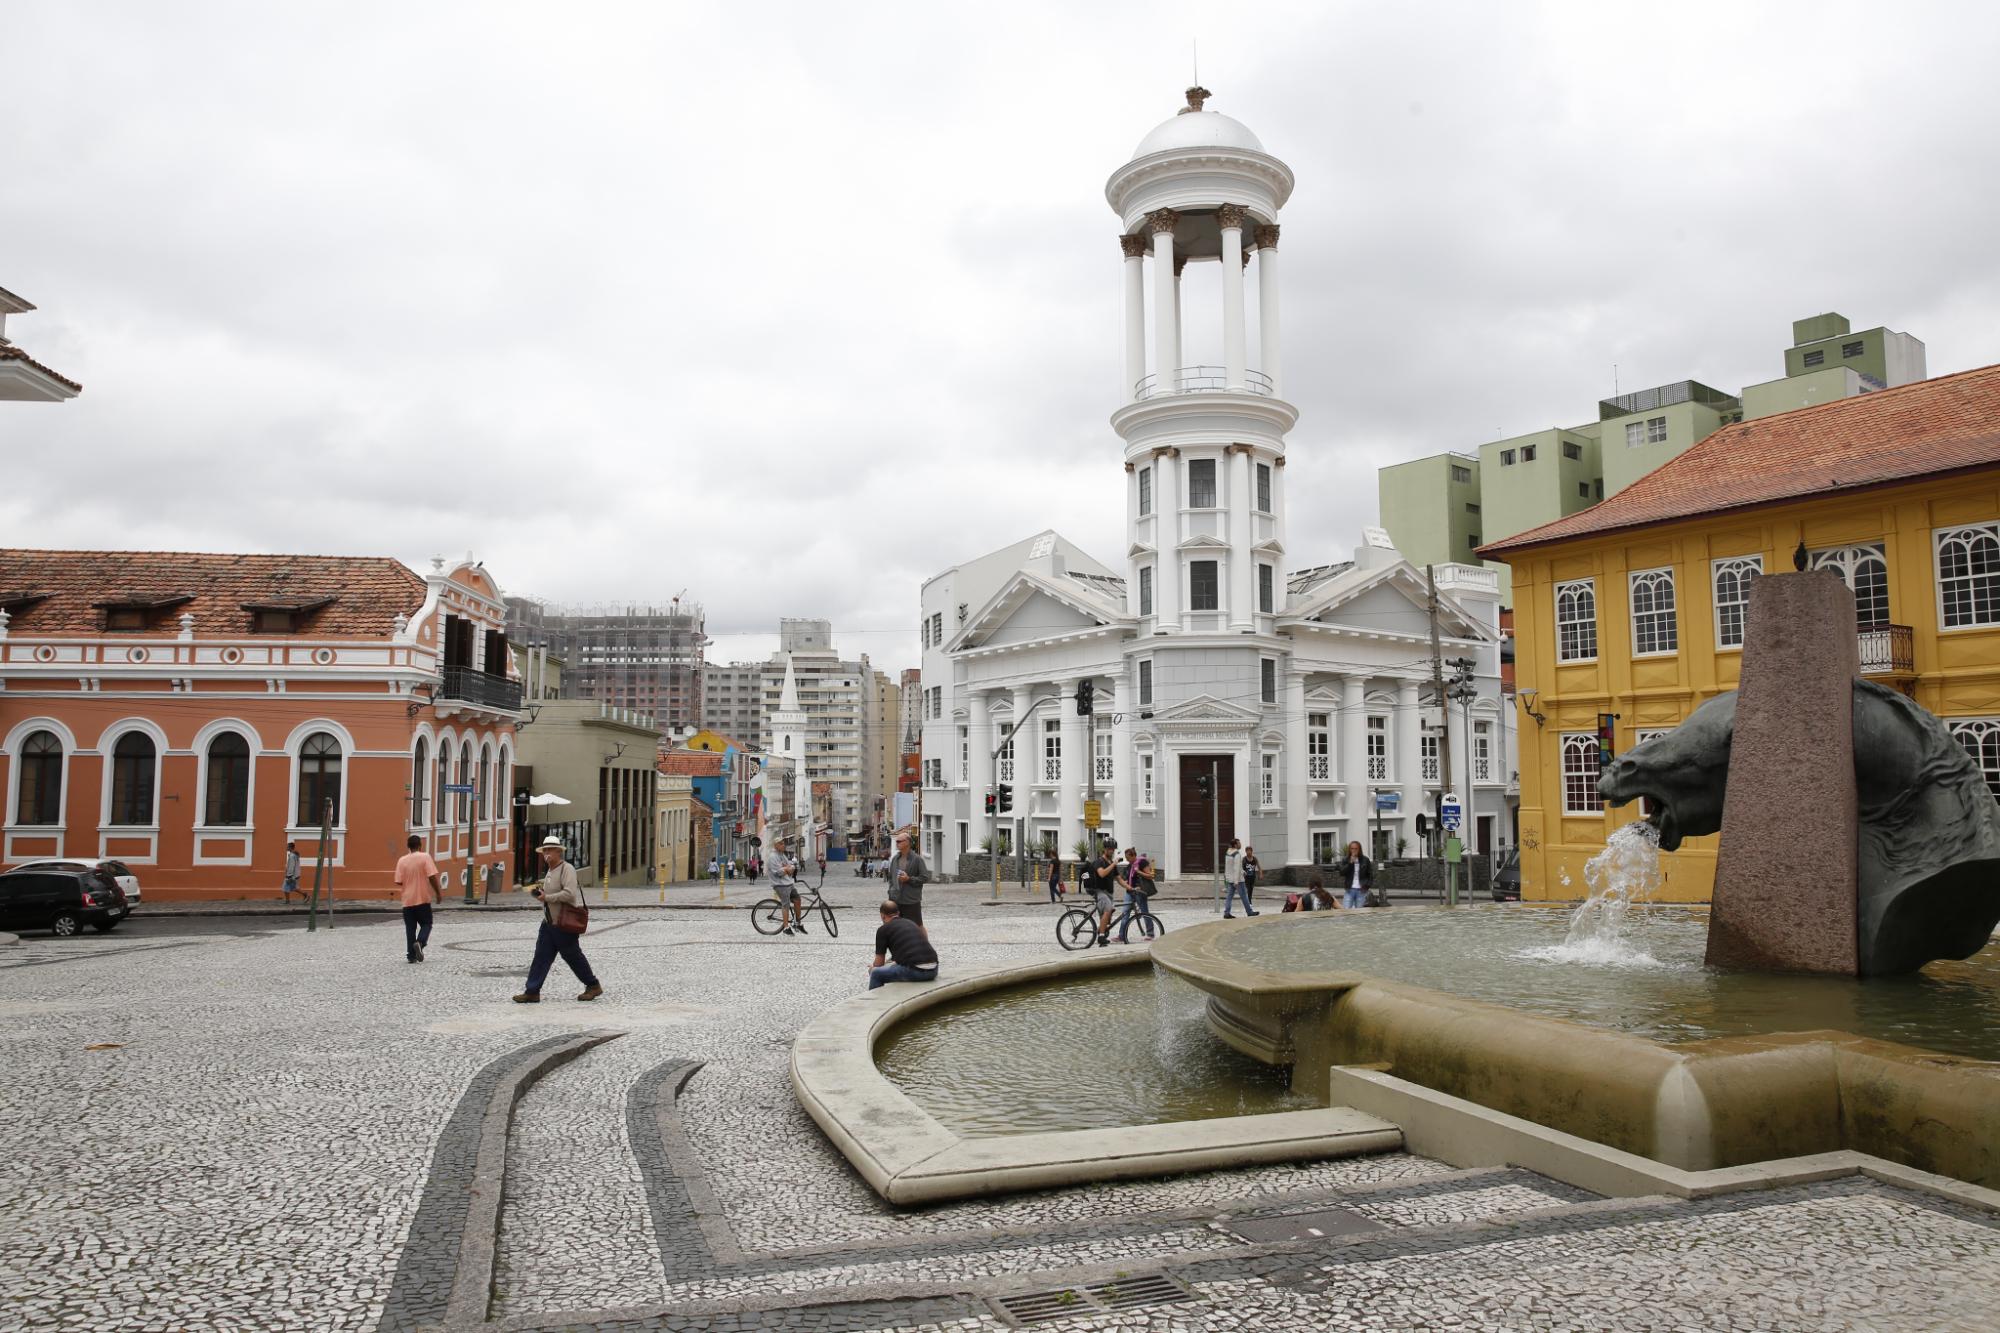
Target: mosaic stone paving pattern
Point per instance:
(269, 1129)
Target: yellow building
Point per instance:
(713, 741)
(1635, 607)
(673, 807)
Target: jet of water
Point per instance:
(1625, 872)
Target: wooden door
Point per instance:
(1205, 828)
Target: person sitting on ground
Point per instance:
(1316, 898)
(903, 951)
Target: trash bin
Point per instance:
(495, 880)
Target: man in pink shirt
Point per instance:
(417, 876)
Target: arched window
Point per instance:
(226, 803)
(442, 806)
(132, 779)
(503, 795)
(319, 778)
(41, 764)
(464, 776)
(420, 768)
(486, 805)
(1576, 621)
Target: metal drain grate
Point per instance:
(1044, 1307)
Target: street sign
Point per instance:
(458, 788)
(1388, 800)
(1450, 813)
(1093, 813)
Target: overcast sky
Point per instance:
(791, 306)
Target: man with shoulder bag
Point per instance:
(564, 919)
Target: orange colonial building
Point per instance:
(189, 714)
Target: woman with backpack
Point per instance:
(1139, 889)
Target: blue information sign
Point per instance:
(1388, 800)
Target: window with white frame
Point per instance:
(1267, 679)
(1145, 491)
(1201, 483)
(38, 789)
(1145, 681)
(1378, 749)
(937, 628)
(1318, 748)
(1264, 487)
(1427, 749)
(1506, 458)
(1145, 590)
(1146, 779)
(964, 755)
(1052, 751)
(1865, 571)
(1980, 736)
(1102, 767)
(1968, 565)
(1579, 774)
(1573, 452)
(1655, 631)
(1576, 620)
(1733, 577)
(1007, 760)
(1204, 587)
(1461, 474)
(1482, 752)
(133, 766)
(1323, 847)
(1267, 589)
(1267, 779)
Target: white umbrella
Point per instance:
(548, 798)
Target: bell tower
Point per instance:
(1204, 444)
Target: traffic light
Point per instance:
(1006, 798)
(1607, 740)
(1423, 825)
(1086, 697)
(991, 801)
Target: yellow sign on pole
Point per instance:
(1093, 813)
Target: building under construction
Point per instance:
(646, 658)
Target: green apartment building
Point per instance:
(1441, 508)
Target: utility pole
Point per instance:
(1437, 685)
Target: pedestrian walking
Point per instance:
(291, 870)
(907, 874)
(903, 950)
(1252, 868)
(1057, 889)
(1232, 880)
(1356, 875)
(564, 918)
(423, 888)
(1139, 889)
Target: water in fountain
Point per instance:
(1626, 871)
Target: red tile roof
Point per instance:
(8, 352)
(692, 763)
(1949, 424)
(73, 586)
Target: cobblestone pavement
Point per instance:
(261, 1128)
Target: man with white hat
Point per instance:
(784, 884)
(558, 889)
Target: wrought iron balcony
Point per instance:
(462, 684)
(1886, 651)
(1203, 379)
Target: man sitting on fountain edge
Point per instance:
(904, 947)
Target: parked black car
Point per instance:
(1507, 876)
(64, 901)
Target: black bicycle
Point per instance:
(768, 914)
(1077, 927)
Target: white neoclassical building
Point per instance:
(1236, 694)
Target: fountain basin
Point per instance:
(1699, 1105)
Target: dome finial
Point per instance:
(1196, 96)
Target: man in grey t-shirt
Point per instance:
(291, 870)
(907, 874)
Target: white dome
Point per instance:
(1198, 129)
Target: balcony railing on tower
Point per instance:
(1204, 379)
(464, 684)
(1886, 651)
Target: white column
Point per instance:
(1234, 353)
(1075, 765)
(1124, 780)
(1167, 535)
(1267, 307)
(1166, 301)
(1407, 763)
(1296, 794)
(979, 760)
(1352, 728)
(1027, 760)
(1242, 565)
(1180, 327)
(1135, 315)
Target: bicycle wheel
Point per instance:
(1151, 926)
(1077, 928)
(832, 923)
(767, 916)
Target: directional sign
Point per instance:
(1093, 813)
(458, 788)
(1450, 813)
(1388, 800)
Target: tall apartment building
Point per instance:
(732, 701)
(644, 658)
(840, 703)
(883, 738)
(1441, 509)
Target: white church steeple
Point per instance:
(788, 743)
(1204, 445)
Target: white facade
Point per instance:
(1300, 696)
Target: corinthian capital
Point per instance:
(1231, 215)
(1267, 236)
(1134, 246)
(1162, 219)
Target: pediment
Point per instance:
(1201, 541)
(1027, 608)
(1206, 711)
(1394, 600)
(1138, 549)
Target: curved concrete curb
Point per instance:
(6, 939)
(908, 1157)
